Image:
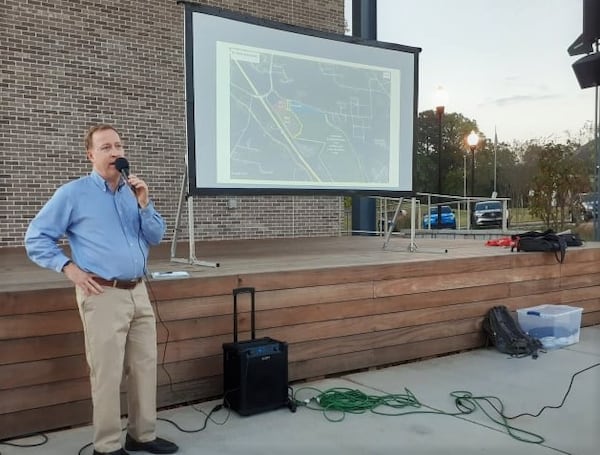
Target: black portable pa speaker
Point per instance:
(255, 371)
(255, 375)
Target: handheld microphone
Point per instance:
(122, 166)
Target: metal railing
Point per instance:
(386, 207)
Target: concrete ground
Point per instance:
(523, 385)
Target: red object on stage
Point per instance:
(503, 241)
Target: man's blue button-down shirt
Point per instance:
(108, 233)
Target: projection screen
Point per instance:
(277, 109)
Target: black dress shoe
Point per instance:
(114, 452)
(158, 445)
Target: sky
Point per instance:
(503, 63)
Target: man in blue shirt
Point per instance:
(110, 224)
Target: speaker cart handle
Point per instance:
(236, 291)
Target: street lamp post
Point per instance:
(472, 140)
(495, 194)
(468, 223)
(440, 101)
(465, 175)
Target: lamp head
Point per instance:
(440, 99)
(473, 139)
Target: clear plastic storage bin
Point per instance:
(555, 326)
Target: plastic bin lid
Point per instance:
(549, 310)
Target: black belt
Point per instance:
(119, 284)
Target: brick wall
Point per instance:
(68, 64)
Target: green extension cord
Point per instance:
(336, 402)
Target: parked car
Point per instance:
(589, 206)
(448, 218)
(488, 214)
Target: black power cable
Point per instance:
(23, 445)
(562, 401)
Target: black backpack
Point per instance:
(507, 336)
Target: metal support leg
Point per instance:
(390, 228)
(191, 234)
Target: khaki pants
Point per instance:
(120, 337)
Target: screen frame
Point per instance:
(193, 187)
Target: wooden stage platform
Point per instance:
(342, 304)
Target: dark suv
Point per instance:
(488, 213)
(589, 206)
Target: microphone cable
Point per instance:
(154, 303)
(122, 166)
(216, 408)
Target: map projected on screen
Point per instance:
(295, 118)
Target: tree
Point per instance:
(558, 178)
(455, 127)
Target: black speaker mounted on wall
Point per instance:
(587, 70)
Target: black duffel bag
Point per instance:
(571, 239)
(547, 241)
